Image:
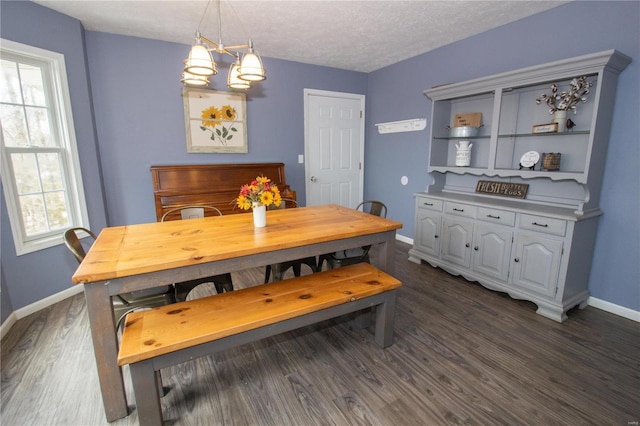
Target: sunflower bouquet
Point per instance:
(259, 192)
(213, 119)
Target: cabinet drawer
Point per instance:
(430, 203)
(501, 217)
(543, 224)
(460, 209)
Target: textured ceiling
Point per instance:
(352, 35)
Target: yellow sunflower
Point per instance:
(243, 202)
(266, 198)
(277, 199)
(228, 113)
(211, 117)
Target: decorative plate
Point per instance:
(530, 159)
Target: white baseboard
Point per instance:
(48, 301)
(7, 324)
(37, 306)
(614, 309)
(404, 239)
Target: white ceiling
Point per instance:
(358, 35)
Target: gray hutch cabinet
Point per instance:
(538, 248)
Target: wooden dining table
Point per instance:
(141, 256)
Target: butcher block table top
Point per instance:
(122, 251)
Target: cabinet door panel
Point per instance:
(428, 232)
(536, 263)
(492, 251)
(456, 246)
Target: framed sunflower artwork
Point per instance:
(215, 121)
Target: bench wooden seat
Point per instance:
(173, 334)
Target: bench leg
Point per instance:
(363, 318)
(385, 313)
(144, 379)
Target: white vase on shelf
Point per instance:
(259, 215)
(560, 117)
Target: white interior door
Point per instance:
(334, 147)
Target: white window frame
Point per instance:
(61, 107)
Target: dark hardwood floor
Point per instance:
(462, 354)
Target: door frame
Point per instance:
(327, 93)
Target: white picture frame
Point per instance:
(215, 121)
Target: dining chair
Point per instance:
(278, 269)
(126, 302)
(358, 254)
(222, 282)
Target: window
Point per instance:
(40, 166)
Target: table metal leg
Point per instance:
(105, 348)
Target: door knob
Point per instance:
(313, 178)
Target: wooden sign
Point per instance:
(503, 189)
(545, 128)
(472, 119)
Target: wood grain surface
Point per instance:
(461, 355)
(182, 325)
(136, 249)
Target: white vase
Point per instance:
(259, 215)
(560, 117)
(463, 153)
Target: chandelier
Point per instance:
(199, 65)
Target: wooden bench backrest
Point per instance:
(214, 185)
(169, 328)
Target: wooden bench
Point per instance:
(173, 334)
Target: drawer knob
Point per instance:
(544, 225)
(476, 248)
(428, 204)
(457, 210)
(467, 245)
(517, 259)
(493, 217)
(435, 236)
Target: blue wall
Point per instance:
(139, 122)
(32, 277)
(395, 93)
(140, 116)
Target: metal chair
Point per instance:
(355, 255)
(126, 302)
(222, 282)
(279, 269)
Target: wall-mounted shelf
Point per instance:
(413, 125)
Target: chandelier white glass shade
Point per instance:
(194, 80)
(251, 68)
(233, 81)
(199, 61)
(200, 64)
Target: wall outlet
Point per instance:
(300, 159)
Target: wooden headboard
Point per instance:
(215, 185)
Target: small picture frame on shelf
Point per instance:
(545, 128)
